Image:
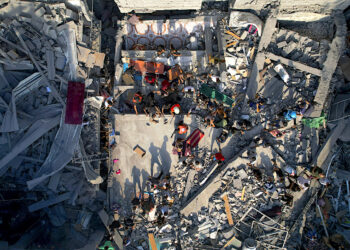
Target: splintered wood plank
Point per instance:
(243, 192)
(152, 241)
(228, 210)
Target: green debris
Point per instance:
(212, 93)
(107, 244)
(314, 122)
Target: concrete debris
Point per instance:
(41, 204)
(209, 128)
(37, 58)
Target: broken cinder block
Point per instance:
(40, 12)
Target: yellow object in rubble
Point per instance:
(232, 34)
(228, 210)
(231, 44)
(243, 191)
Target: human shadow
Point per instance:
(145, 176)
(154, 151)
(165, 156)
(136, 179)
(215, 132)
(128, 195)
(117, 192)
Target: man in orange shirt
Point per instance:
(137, 100)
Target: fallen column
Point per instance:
(208, 36)
(336, 49)
(291, 63)
(269, 29)
(253, 84)
(45, 203)
(189, 183)
(327, 147)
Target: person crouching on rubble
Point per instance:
(179, 147)
(109, 102)
(175, 109)
(137, 101)
(290, 115)
(304, 183)
(189, 91)
(218, 157)
(317, 173)
(181, 128)
(270, 187)
(275, 133)
(257, 104)
(286, 199)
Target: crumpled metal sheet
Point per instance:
(10, 122)
(38, 129)
(61, 152)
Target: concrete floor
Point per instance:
(156, 140)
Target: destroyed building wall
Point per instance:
(316, 6)
(147, 6)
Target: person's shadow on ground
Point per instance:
(136, 179)
(154, 151)
(165, 156)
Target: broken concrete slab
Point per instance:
(18, 65)
(89, 57)
(336, 49)
(344, 63)
(45, 203)
(208, 42)
(50, 59)
(116, 235)
(54, 181)
(327, 147)
(269, 29)
(293, 64)
(254, 80)
(189, 184)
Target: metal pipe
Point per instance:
(332, 160)
(347, 189)
(338, 197)
(321, 215)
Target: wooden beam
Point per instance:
(152, 241)
(232, 34)
(228, 210)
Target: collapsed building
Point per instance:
(81, 158)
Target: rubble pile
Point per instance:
(50, 170)
(291, 45)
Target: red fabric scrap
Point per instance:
(75, 103)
